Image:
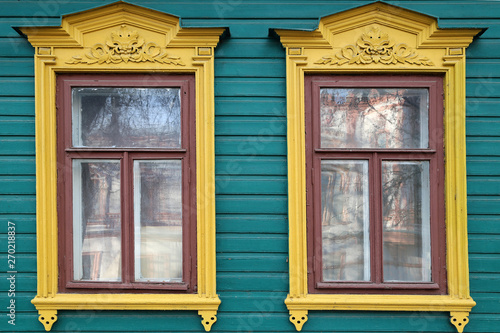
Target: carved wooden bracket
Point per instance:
(208, 318)
(47, 318)
(298, 318)
(459, 320)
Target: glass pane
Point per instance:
(406, 221)
(158, 220)
(96, 220)
(345, 220)
(126, 117)
(374, 118)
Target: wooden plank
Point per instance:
(248, 185)
(250, 146)
(245, 262)
(252, 281)
(228, 9)
(255, 28)
(492, 25)
(17, 185)
(483, 49)
(483, 107)
(248, 68)
(489, 244)
(19, 86)
(24, 243)
(483, 165)
(483, 224)
(23, 302)
(484, 282)
(483, 68)
(7, 24)
(17, 165)
(483, 87)
(17, 146)
(264, 126)
(483, 205)
(247, 165)
(16, 47)
(250, 48)
(13, 67)
(24, 224)
(114, 321)
(249, 87)
(25, 263)
(187, 321)
(251, 224)
(485, 185)
(483, 323)
(264, 243)
(484, 263)
(255, 106)
(486, 302)
(483, 127)
(384, 321)
(483, 146)
(17, 126)
(17, 106)
(24, 282)
(17, 204)
(267, 302)
(251, 204)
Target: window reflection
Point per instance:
(406, 221)
(96, 220)
(345, 220)
(374, 118)
(126, 117)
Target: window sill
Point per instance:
(48, 306)
(459, 308)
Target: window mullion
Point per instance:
(127, 226)
(376, 219)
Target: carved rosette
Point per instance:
(375, 47)
(125, 45)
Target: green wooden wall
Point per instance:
(252, 238)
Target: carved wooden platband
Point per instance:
(126, 45)
(376, 47)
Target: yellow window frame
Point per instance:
(415, 45)
(80, 45)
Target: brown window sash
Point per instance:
(66, 153)
(434, 154)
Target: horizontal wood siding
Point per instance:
(251, 179)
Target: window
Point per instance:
(126, 174)
(378, 52)
(375, 172)
(116, 188)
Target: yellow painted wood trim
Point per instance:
(380, 303)
(432, 50)
(126, 302)
(69, 49)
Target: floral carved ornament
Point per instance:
(375, 46)
(126, 45)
